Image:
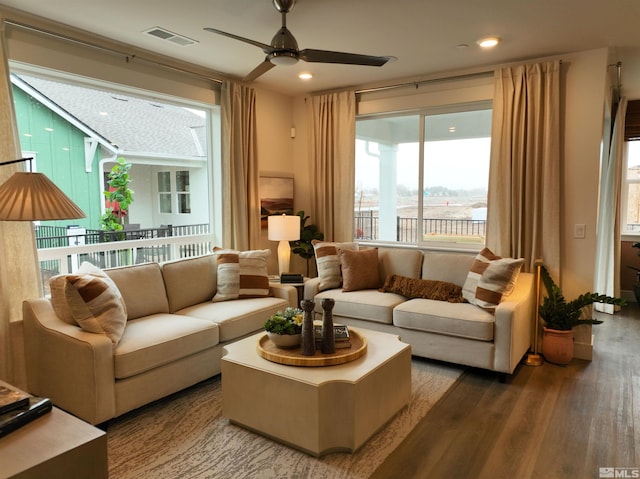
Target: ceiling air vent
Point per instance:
(164, 34)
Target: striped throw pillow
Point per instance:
(490, 279)
(328, 262)
(91, 300)
(242, 274)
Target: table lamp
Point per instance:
(283, 228)
(29, 196)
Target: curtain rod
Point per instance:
(416, 84)
(128, 57)
(618, 85)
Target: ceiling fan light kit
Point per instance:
(283, 49)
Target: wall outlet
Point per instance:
(579, 230)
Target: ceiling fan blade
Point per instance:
(325, 56)
(265, 48)
(264, 67)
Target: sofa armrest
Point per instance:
(514, 324)
(285, 292)
(70, 366)
(311, 288)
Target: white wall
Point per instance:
(583, 89)
(275, 151)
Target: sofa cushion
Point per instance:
(236, 319)
(359, 269)
(368, 304)
(404, 262)
(152, 341)
(462, 320)
(490, 278)
(142, 288)
(423, 288)
(189, 281)
(328, 262)
(449, 267)
(91, 300)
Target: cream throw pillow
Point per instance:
(328, 262)
(242, 274)
(490, 279)
(91, 300)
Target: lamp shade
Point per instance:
(33, 196)
(283, 228)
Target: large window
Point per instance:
(423, 178)
(79, 130)
(631, 189)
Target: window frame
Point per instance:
(422, 113)
(212, 160)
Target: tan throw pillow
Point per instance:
(328, 263)
(359, 269)
(490, 279)
(91, 300)
(423, 288)
(242, 274)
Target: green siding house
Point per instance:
(76, 133)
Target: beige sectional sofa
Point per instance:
(173, 338)
(461, 333)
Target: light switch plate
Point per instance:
(579, 230)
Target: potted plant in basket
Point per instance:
(560, 316)
(285, 327)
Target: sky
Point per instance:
(455, 164)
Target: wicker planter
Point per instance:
(557, 346)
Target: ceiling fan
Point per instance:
(284, 48)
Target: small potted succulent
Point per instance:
(285, 327)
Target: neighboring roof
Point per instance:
(134, 125)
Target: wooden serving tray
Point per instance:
(294, 357)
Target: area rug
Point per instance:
(184, 436)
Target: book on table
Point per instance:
(340, 334)
(11, 398)
(16, 418)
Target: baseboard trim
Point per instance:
(583, 350)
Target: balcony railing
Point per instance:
(366, 226)
(63, 253)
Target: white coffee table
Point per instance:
(317, 409)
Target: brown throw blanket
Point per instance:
(423, 288)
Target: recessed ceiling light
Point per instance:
(488, 42)
(305, 76)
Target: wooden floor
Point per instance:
(544, 422)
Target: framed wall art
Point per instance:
(276, 197)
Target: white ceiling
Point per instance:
(424, 35)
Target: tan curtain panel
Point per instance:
(19, 270)
(332, 132)
(524, 178)
(607, 271)
(241, 201)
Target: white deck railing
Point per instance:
(122, 253)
